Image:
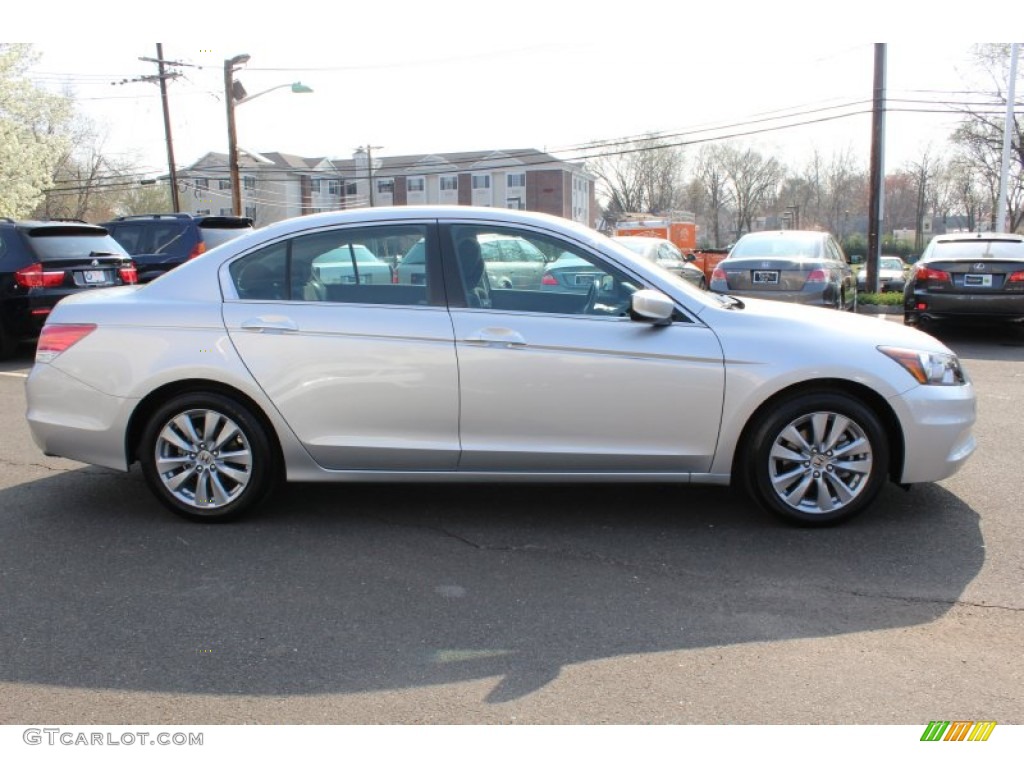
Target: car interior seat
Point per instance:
(474, 276)
(257, 281)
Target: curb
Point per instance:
(878, 309)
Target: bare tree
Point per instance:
(966, 196)
(845, 183)
(753, 180)
(710, 186)
(979, 139)
(646, 177)
(923, 173)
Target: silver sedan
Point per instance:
(220, 393)
(803, 267)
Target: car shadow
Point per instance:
(979, 339)
(352, 588)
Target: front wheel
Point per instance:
(817, 459)
(206, 457)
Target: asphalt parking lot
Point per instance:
(526, 604)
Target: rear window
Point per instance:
(52, 243)
(214, 236)
(960, 249)
(777, 246)
(151, 237)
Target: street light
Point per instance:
(235, 94)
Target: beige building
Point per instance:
(277, 186)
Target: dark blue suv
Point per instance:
(162, 241)
(41, 262)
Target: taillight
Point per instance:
(34, 276)
(55, 339)
(548, 280)
(718, 274)
(199, 250)
(1016, 277)
(927, 273)
(817, 276)
(129, 275)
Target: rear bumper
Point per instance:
(818, 298)
(73, 420)
(940, 305)
(884, 286)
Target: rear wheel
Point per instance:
(817, 459)
(206, 457)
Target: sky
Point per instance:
(567, 77)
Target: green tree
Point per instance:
(32, 132)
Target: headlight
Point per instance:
(937, 368)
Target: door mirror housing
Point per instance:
(647, 306)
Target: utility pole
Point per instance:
(1000, 222)
(369, 167)
(167, 128)
(877, 183)
(230, 67)
(162, 76)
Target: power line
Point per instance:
(651, 141)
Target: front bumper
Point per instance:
(937, 430)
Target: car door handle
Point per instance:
(498, 336)
(270, 325)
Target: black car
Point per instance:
(41, 262)
(160, 242)
(965, 276)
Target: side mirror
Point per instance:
(689, 258)
(647, 306)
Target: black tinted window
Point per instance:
(142, 237)
(976, 248)
(51, 243)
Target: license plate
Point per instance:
(93, 276)
(980, 281)
(586, 278)
(766, 277)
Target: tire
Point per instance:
(8, 344)
(817, 459)
(184, 462)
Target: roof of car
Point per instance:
(36, 223)
(787, 233)
(969, 236)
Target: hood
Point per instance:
(805, 322)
